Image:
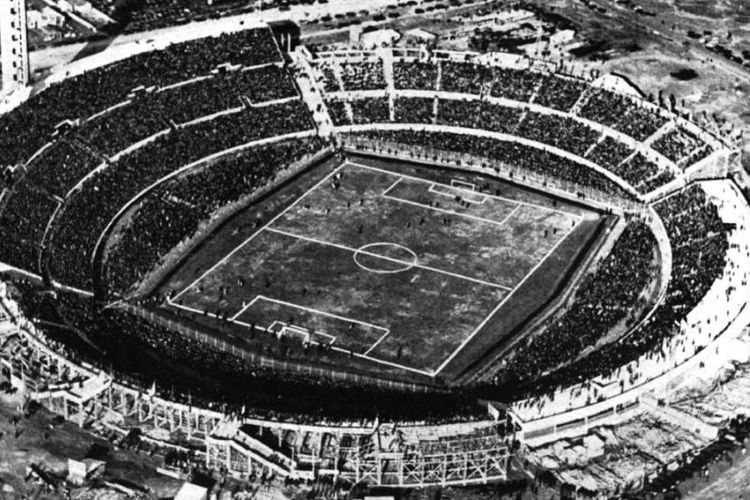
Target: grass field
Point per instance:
(394, 267)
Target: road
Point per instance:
(51, 58)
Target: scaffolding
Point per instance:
(372, 453)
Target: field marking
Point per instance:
(299, 330)
(328, 177)
(511, 214)
(273, 325)
(259, 231)
(377, 342)
(447, 210)
(463, 185)
(291, 329)
(388, 189)
(365, 252)
(496, 197)
(322, 313)
(502, 302)
(434, 189)
(314, 342)
(332, 338)
(205, 313)
(244, 308)
(387, 363)
(366, 355)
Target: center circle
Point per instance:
(385, 258)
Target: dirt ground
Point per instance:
(650, 49)
(35, 439)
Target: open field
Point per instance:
(388, 265)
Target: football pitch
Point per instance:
(390, 267)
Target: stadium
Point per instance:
(396, 267)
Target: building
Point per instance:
(355, 33)
(82, 11)
(190, 491)
(45, 18)
(562, 38)
(377, 38)
(418, 36)
(14, 50)
(81, 471)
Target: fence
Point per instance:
(267, 362)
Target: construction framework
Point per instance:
(376, 454)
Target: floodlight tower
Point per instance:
(14, 49)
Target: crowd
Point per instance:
(414, 110)
(27, 128)
(267, 83)
(515, 84)
(25, 213)
(414, 75)
(621, 113)
(469, 78)
(610, 153)
(563, 133)
(643, 173)
(699, 244)
(150, 14)
(516, 156)
(149, 113)
(678, 144)
(607, 297)
(330, 80)
(657, 181)
(173, 212)
(478, 114)
(559, 93)
(60, 167)
(699, 154)
(89, 210)
(30, 204)
(371, 110)
(553, 91)
(360, 75)
(41, 306)
(337, 112)
(465, 77)
(547, 90)
(141, 354)
(76, 151)
(366, 75)
(122, 126)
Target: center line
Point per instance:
(391, 259)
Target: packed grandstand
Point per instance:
(113, 177)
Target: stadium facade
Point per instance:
(14, 45)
